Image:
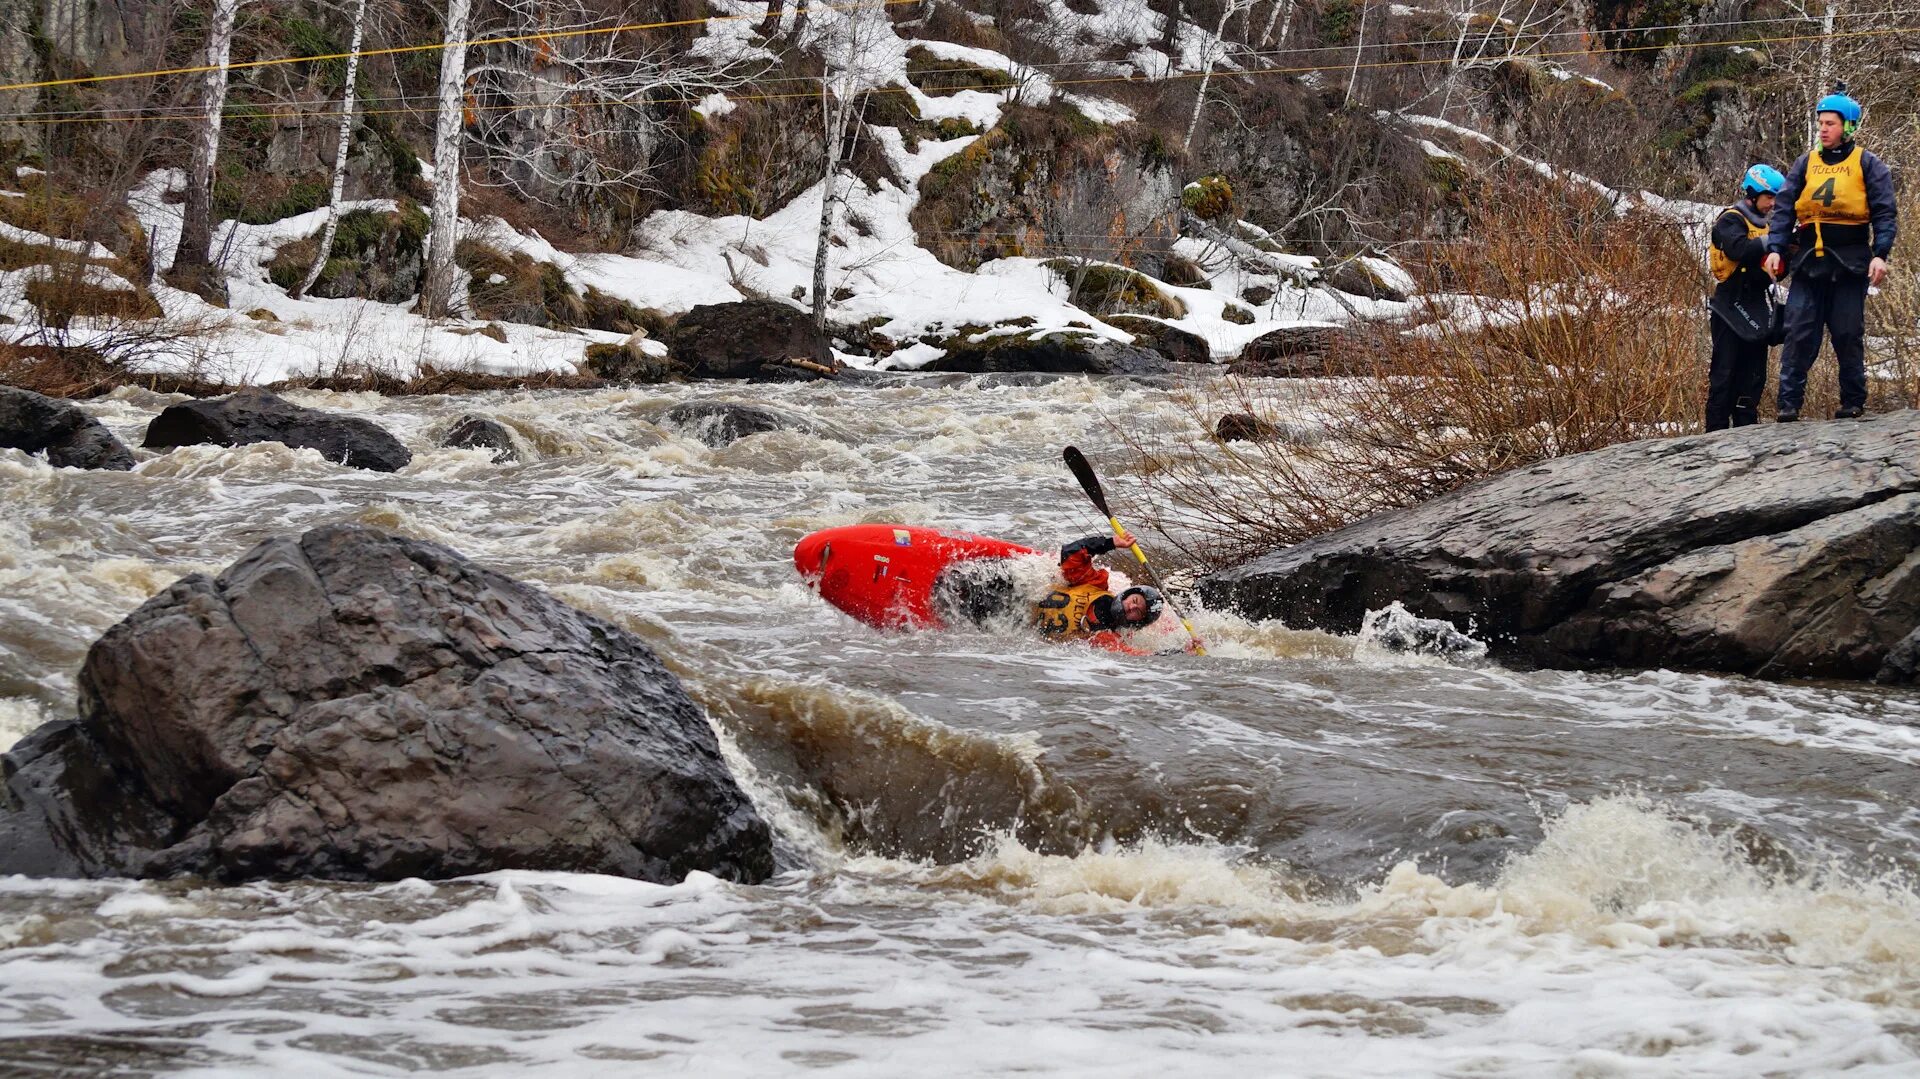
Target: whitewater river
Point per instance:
(1299, 855)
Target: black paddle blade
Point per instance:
(1083, 471)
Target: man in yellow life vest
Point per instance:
(1742, 319)
(1833, 226)
(1083, 606)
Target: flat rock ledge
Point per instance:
(352, 705)
(1782, 551)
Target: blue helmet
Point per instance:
(1762, 180)
(1842, 106)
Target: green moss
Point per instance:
(255, 200)
(1105, 289)
(1447, 174)
(1338, 21)
(1209, 198)
(936, 77)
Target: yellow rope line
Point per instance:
(400, 49)
(1227, 75)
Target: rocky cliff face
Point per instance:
(1782, 551)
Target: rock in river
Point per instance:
(69, 437)
(352, 705)
(1782, 551)
(251, 416)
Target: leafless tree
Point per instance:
(341, 146)
(436, 289)
(196, 232)
(580, 109)
(853, 67)
(1211, 52)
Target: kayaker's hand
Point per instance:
(1193, 646)
(1876, 272)
(1773, 264)
(1123, 540)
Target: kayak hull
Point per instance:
(906, 577)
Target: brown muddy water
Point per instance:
(1298, 855)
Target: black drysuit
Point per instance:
(1741, 322)
(1830, 278)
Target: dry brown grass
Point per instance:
(1562, 329)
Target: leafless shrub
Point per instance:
(1563, 329)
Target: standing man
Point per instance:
(1833, 227)
(1742, 315)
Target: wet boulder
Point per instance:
(69, 437)
(753, 339)
(630, 362)
(352, 705)
(722, 423)
(1305, 350)
(1902, 665)
(1246, 427)
(1062, 352)
(1176, 344)
(1779, 551)
(250, 416)
(472, 432)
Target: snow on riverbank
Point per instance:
(882, 279)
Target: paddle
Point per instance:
(1083, 471)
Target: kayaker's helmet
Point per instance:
(1846, 108)
(1762, 180)
(1154, 603)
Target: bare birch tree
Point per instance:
(852, 68)
(1212, 51)
(196, 228)
(579, 110)
(436, 290)
(341, 145)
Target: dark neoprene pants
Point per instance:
(1840, 307)
(1736, 379)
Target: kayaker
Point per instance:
(1083, 606)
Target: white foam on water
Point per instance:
(18, 717)
(1629, 943)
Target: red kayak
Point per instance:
(903, 577)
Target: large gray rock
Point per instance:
(251, 416)
(69, 437)
(754, 339)
(1176, 344)
(1055, 352)
(722, 423)
(354, 705)
(1782, 551)
(472, 432)
(1305, 350)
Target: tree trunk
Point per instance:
(436, 292)
(347, 101)
(1206, 71)
(833, 115)
(196, 227)
(1822, 74)
(770, 25)
(1359, 46)
(799, 20)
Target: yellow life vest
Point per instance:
(1063, 613)
(1717, 260)
(1833, 195)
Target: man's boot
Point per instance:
(1787, 417)
(1851, 412)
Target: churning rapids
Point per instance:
(1299, 855)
